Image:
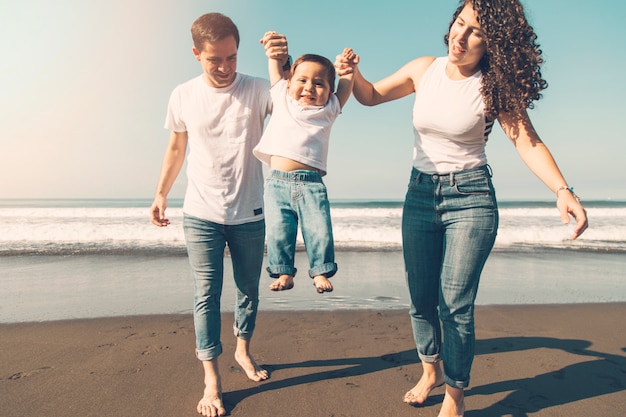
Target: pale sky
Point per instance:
(84, 87)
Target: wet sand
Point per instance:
(44, 287)
(539, 360)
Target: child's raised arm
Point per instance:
(276, 50)
(344, 86)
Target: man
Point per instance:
(220, 115)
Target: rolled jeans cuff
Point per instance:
(209, 354)
(276, 271)
(327, 269)
(240, 334)
(429, 358)
(455, 384)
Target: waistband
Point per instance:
(483, 170)
(297, 175)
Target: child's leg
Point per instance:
(315, 222)
(281, 227)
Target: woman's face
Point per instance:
(466, 44)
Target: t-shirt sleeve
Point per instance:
(173, 118)
(334, 105)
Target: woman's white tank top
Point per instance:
(449, 122)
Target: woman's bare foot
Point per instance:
(247, 362)
(322, 284)
(453, 403)
(282, 283)
(211, 403)
(250, 367)
(431, 379)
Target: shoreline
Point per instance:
(45, 288)
(167, 250)
(543, 360)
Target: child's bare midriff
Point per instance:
(281, 163)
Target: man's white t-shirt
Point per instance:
(225, 180)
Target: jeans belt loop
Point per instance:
(452, 179)
(489, 171)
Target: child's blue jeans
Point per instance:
(298, 197)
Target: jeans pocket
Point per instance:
(473, 186)
(414, 180)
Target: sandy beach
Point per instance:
(110, 333)
(559, 360)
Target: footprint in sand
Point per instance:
(154, 349)
(25, 374)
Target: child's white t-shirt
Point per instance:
(225, 180)
(297, 132)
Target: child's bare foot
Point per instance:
(431, 379)
(282, 283)
(250, 367)
(322, 284)
(453, 403)
(211, 404)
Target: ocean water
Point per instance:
(122, 226)
(66, 259)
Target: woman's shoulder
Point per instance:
(423, 61)
(416, 69)
(418, 66)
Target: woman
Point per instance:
(450, 215)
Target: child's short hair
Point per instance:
(329, 66)
(213, 27)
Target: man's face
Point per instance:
(219, 62)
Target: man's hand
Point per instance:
(275, 46)
(157, 212)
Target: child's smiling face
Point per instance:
(309, 84)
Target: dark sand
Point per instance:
(558, 360)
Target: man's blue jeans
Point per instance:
(206, 242)
(298, 197)
(449, 226)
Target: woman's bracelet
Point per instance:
(565, 187)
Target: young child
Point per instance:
(295, 147)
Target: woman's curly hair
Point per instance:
(511, 75)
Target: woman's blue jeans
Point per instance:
(206, 242)
(449, 226)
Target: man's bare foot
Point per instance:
(322, 284)
(211, 405)
(250, 367)
(453, 403)
(431, 379)
(282, 283)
